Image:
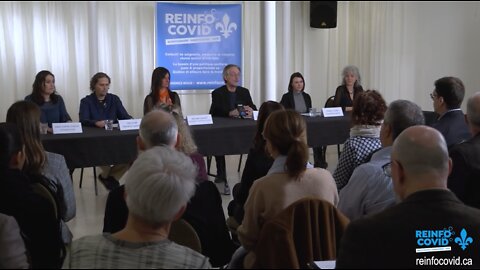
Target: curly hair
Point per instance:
(368, 108)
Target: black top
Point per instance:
(390, 239)
(342, 98)
(289, 103)
(464, 180)
(221, 104)
(257, 165)
(453, 127)
(204, 212)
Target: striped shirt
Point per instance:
(105, 251)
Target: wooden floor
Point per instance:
(91, 208)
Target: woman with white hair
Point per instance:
(349, 89)
(158, 186)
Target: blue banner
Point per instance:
(195, 42)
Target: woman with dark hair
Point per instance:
(45, 96)
(296, 98)
(289, 179)
(367, 117)
(349, 89)
(160, 92)
(257, 165)
(26, 115)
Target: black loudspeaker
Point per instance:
(323, 14)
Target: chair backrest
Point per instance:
(308, 230)
(329, 102)
(182, 233)
(45, 193)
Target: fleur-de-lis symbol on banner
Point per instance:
(226, 28)
(463, 240)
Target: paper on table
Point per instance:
(326, 264)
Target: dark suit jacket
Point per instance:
(288, 102)
(389, 239)
(221, 100)
(464, 179)
(453, 127)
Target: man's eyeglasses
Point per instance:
(433, 95)
(387, 169)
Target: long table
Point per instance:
(227, 136)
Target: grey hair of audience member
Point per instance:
(473, 110)
(159, 183)
(354, 70)
(402, 114)
(421, 149)
(158, 128)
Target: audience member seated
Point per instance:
(349, 89)
(160, 93)
(447, 98)
(465, 175)
(51, 104)
(52, 166)
(257, 165)
(225, 101)
(428, 212)
(204, 211)
(368, 110)
(94, 110)
(296, 99)
(34, 214)
(157, 188)
(13, 254)
(370, 188)
(288, 180)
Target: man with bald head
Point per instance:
(429, 227)
(464, 180)
(157, 128)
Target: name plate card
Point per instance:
(332, 112)
(130, 124)
(199, 119)
(67, 128)
(255, 115)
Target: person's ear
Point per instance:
(398, 178)
(180, 212)
(177, 143)
(18, 159)
(450, 166)
(140, 144)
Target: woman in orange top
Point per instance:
(160, 94)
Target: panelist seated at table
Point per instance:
(94, 110)
(51, 104)
(225, 102)
(160, 93)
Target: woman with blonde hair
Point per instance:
(187, 145)
(290, 178)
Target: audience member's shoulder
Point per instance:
(54, 157)
(196, 260)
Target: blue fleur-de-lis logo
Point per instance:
(463, 240)
(226, 28)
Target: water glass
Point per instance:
(43, 128)
(108, 124)
(312, 112)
